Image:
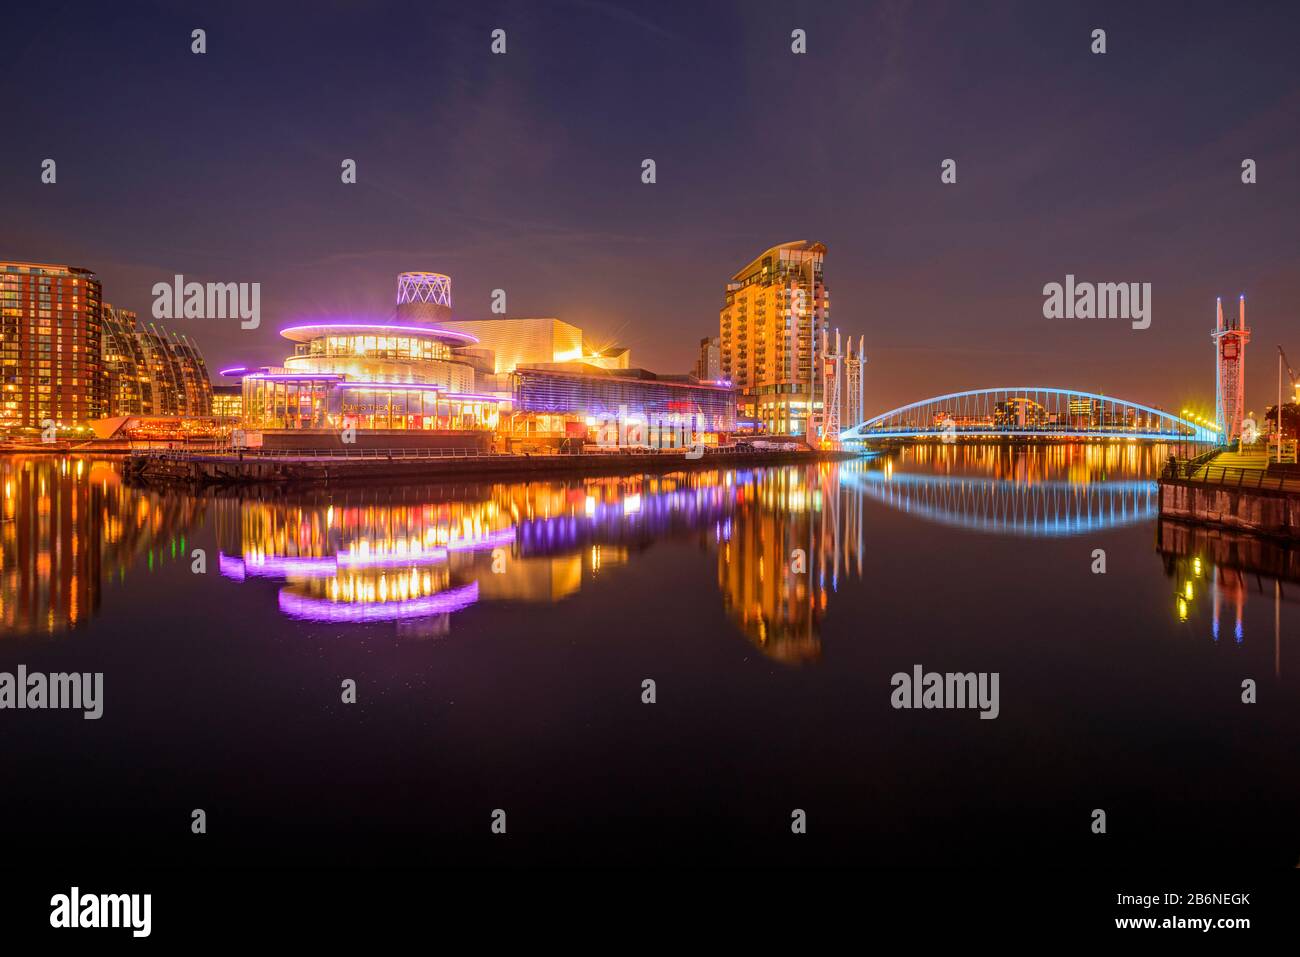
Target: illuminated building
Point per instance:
(227, 404)
(610, 357)
(708, 367)
(150, 372)
(771, 325)
(619, 407)
(1083, 412)
(50, 332)
(369, 377)
(516, 342)
(130, 388)
(375, 377)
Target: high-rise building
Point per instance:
(1230, 340)
(50, 346)
(150, 372)
(708, 367)
(771, 324)
(130, 390)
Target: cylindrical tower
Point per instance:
(423, 297)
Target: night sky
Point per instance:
(522, 171)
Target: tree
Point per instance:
(1290, 418)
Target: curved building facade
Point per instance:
(151, 372)
(369, 376)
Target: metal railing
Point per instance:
(1232, 475)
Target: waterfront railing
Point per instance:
(1232, 475)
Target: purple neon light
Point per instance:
(431, 557)
(505, 536)
(307, 608)
(276, 567)
(419, 330)
(296, 376)
(426, 386)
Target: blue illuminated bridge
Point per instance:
(1028, 412)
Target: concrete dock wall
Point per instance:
(1260, 511)
(201, 470)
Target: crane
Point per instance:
(1285, 451)
(1287, 362)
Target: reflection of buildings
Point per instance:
(1220, 570)
(64, 522)
(371, 555)
(792, 534)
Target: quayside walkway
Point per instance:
(1233, 489)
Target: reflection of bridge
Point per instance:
(1029, 411)
(1053, 508)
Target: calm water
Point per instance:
(499, 635)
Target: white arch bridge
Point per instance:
(1028, 412)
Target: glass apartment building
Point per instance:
(774, 318)
(151, 373)
(50, 339)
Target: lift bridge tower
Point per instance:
(1230, 340)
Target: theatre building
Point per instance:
(625, 407)
(390, 385)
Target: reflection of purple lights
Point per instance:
(230, 567)
(505, 536)
(356, 560)
(275, 567)
(307, 608)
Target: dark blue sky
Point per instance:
(522, 171)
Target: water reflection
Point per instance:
(67, 522)
(1215, 572)
(1036, 490)
(782, 539)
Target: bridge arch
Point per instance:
(1028, 411)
